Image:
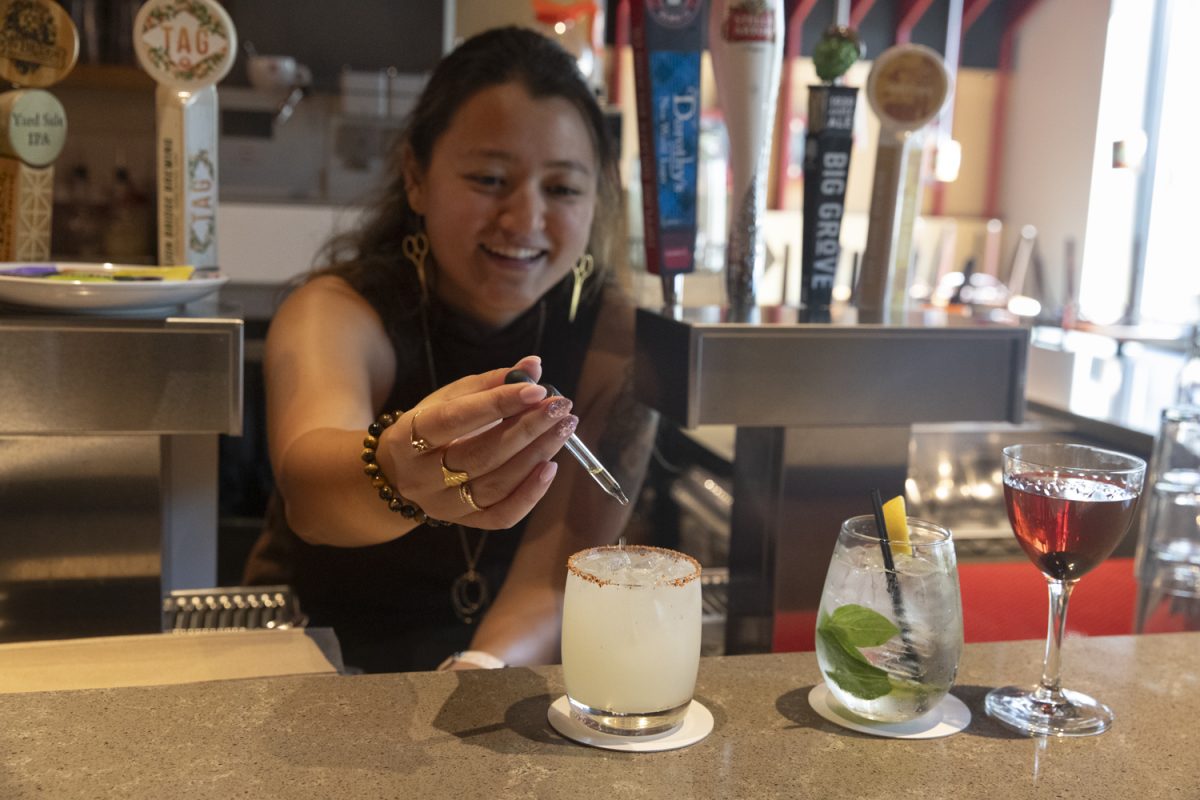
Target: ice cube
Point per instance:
(635, 566)
(904, 656)
(916, 565)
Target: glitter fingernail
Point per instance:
(558, 408)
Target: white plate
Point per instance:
(947, 717)
(697, 724)
(102, 296)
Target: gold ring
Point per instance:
(452, 477)
(418, 442)
(464, 494)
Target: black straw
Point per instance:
(893, 580)
(884, 542)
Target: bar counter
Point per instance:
(484, 734)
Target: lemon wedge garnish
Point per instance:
(895, 517)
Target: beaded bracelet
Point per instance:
(395, 501)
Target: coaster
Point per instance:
(697, 724)
(946, 718)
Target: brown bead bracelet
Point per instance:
(395, 501)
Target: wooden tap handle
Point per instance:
(39, 45)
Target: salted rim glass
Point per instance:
(631, 648)
(580, 572)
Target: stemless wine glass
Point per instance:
(889, 635)
(1069, 506)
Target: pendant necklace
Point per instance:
(470, 594)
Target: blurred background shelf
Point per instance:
(107, 76)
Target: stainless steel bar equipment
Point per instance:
(823, 413)
(108, 466)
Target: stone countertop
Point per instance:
(484, 734)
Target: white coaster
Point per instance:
(696, 725)
(948, 717)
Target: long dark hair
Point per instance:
(491, 58)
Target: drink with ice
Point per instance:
(888, 642)
(631, 637)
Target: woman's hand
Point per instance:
(500, 436)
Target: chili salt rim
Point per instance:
(574, 569)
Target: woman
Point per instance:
(490, 250)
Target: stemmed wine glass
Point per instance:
(1069, 506)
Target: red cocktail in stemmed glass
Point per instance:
(1069, 506)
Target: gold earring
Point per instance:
(416, 247)
(582, 270)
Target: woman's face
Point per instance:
(508, 200)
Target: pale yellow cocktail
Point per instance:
(631, 638)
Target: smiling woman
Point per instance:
(508, 200)
(489, 249)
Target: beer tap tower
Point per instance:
(822, 412)
(38, 47)
(186, 46)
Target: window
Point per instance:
(1171, 280)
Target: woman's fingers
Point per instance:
(471, 404)
(493, 440)
(488, 450)
(439, 424)
(518, 503)
(490, 485)
(473, 384)
(484, 497)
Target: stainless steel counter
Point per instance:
(120, 375)
(699, 369)
(108, 464)
(483, 734)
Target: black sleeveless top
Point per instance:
(390, 603)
